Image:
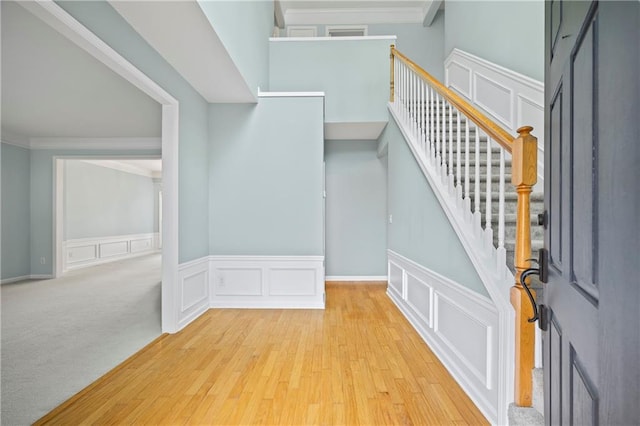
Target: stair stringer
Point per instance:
(497, 280)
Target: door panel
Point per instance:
(591, 349)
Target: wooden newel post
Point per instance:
(392, 69)
(524, 176)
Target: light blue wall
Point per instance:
(15, 211)
(420, 230)
(266, 177)
(356, 209)
(107, 24)
(244, 27)
(41, 192)
(424, 45)
(508, 33)
(354, 74)
(104, 202)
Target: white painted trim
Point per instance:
(124, 167)
(363, 28)
(356, 278)
(290, 94)
(315, 39)
(98, 243)
(476, 311)
(313, 28)
(365, 15)
(14, 139)
(59, 19)
(119, 144)
(26, 277)
(190, 271)
(496, 281)
(525, 96)
(269, 282)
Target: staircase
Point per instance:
(534, 415)
(442, 114)
(470, 163)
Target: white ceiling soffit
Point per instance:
(311, 12)
(53, 88)
(357, 131)
(144, 167)
(183, 35)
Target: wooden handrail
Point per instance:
(523, 150)
(493, 130)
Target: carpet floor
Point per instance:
(60, 335)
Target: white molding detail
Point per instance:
(302, 31)
(26, 277)
(290, 94)
(522, 102)
(356, 278)
(338, 28)
(314, 39)
(121, 144)
(124, 167)
(457, 324)
(85, 252)
(14, 139)
(193, 290)
(346, 16)
(496, 278)
(266, 282)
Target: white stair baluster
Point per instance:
(501, 258)
(488, 215)
(477, 215)
(451, 188)
(458, 158)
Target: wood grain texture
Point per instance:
(357, 362)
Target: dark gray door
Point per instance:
(591, 349)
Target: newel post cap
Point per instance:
(525, 158)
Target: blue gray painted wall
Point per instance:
(193, 165)
(16, 208)
(244, 27)
(421, 230)
(103, 202)
(356, 209)
(508, 33)
(266, 177)
(424, 45)
(354, 74)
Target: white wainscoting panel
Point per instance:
(193, 290)
(83, 252)
(512, 99)
(266, 282)
(458, 324)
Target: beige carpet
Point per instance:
(60, 335)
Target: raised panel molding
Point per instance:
(193, 290)
(266, 282)
(512, 99)
(459, 325)
(84, 252)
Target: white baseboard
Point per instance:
(459, 325)
(510, 98)
(85, 252)
(267, 282)
(26, 277)
(356, 278)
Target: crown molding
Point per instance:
(369, 15)
(120, 144)
(14, 139)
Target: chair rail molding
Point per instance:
(511, 98)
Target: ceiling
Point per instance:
(52, 88)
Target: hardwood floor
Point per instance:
(357, 362)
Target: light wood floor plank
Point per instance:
(357, 362)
